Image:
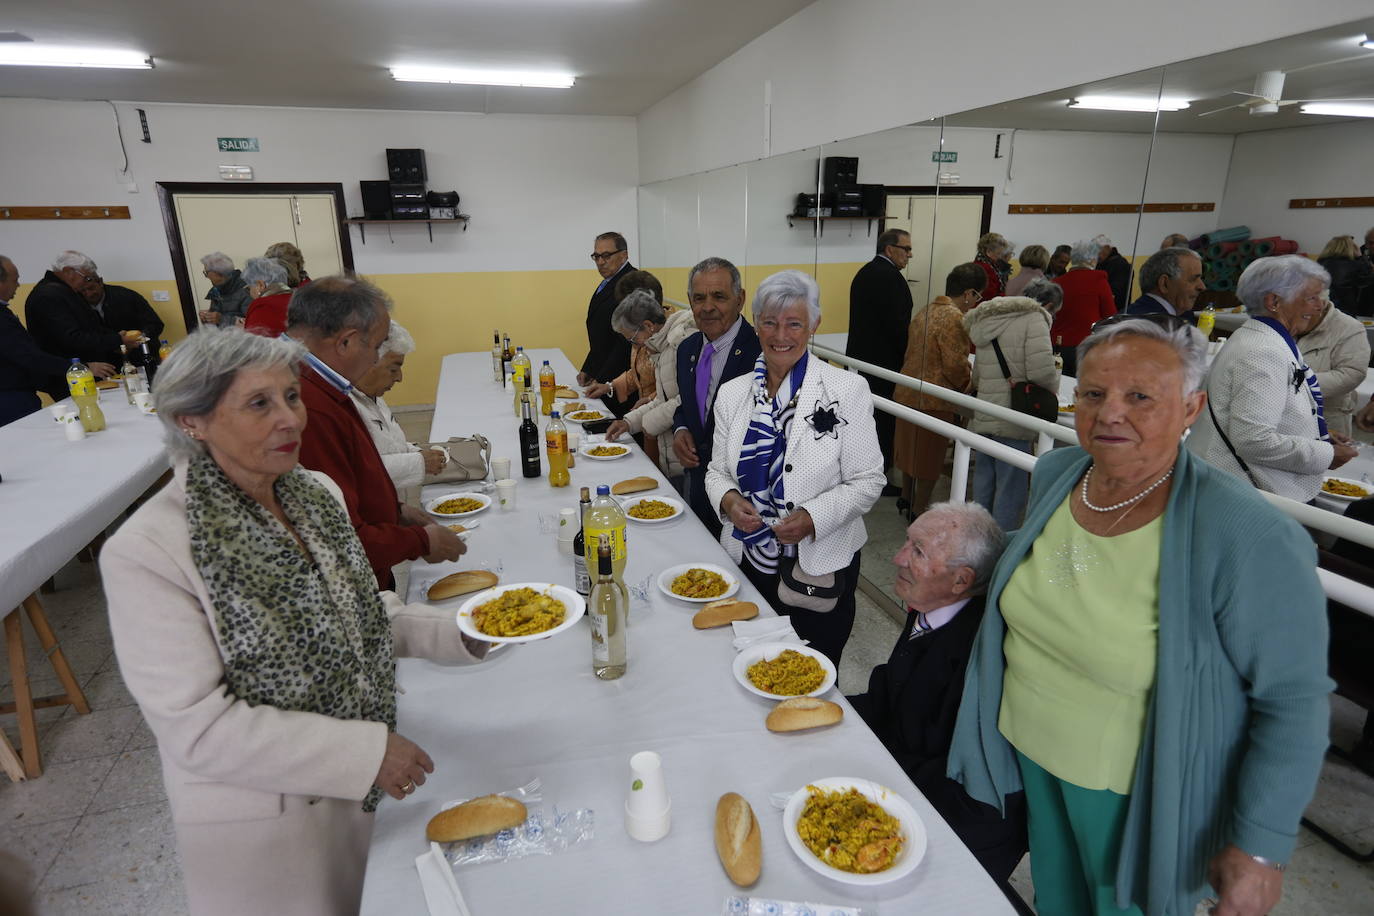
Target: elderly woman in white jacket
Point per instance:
(1264, 420)
(249, 629)
(1337, 349)
(1020, 326)
(795, 466)
(642, 320)
(405, 462)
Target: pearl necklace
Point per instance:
(1121, 505)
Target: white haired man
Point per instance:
(913, 700)
(228, 294)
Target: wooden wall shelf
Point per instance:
(363, 223)
(1317, 203)
(64, 212)
(1040, 209)
(820, 221)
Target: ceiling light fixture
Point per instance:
(526, 78)
(22, 54)
(1127, 103)
(1338, 109)
(1367, 43)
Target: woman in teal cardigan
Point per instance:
(1151, 668)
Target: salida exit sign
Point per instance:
(944, 156)
(238, 145)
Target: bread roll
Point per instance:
(477, 817)
(565, 392)
(797, 713)
(634, 485)
(738, 842)
(462, 583)
(719, 613)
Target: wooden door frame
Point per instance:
(166, 198)
(931, 190)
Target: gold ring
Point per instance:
(408, 787)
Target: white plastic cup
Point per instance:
(60, 410)
(567, 530)
(647, 806)
(143, 400)
(500, 469)
(574, 439)
(71, 425)
(505, 494)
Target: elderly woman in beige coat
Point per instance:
(1337, 349)
(643, 321)
(248, 626)
(1020, 325)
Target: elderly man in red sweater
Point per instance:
(342, 321)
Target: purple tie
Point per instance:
(708, 353)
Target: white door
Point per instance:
(244, 225)
(936, 247)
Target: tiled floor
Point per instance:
(95, 831)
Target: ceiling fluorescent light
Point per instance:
(1339, 109)
(1367, 43)
(21, 54)
(1127, 103)
(527, 78)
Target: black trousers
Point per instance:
(828, 632)
(886, 422)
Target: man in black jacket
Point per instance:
(1118, 271)
(64, 324)
(608, 353)
(913, 700)
(121, 308)
(879, 316)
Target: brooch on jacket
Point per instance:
(826, 420)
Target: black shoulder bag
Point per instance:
(1028, 397)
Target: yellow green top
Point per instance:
(1082, 615)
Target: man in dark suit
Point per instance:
(724, 347)
(608, 353)
(913, 700)
(121, 308)
(1170, 281)
(879, 316)
(24, 368)
(64, 324)
(1118, 271)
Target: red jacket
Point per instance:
(336, 442)
(1087, 300)
(267, 315)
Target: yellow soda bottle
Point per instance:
(164, 351)
(548, 387)
(1207, 320)
(81, 383)
(556, 444)
(520, 371)
(604, 516)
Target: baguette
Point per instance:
(565, 392)
(738, 842)
(797, 713)
(478, 817)
(719, 613)
(634, 485)
(462, 583)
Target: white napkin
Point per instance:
(440, 886)
(764, 629)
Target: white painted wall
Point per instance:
(539, 188)
(843, 68)
(1272, 167)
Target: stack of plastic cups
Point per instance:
(647, 805)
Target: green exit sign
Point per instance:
(239, 145)
(939, 156)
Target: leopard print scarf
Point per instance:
(297, 632)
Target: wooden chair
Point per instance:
(25, 704)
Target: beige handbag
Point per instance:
(469, 458)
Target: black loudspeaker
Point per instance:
(839, 170)
(407, 165)
(874, 199)
(376, 199)
(408, 201)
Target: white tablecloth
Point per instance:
(58, 495)
(537, 710)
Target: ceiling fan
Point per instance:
(1267, 96)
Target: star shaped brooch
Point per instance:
(826, 420)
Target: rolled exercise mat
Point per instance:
(1246, 248)
(1220, 249)
(1225, 285)
(1234, 234)
(1199, 243)
(1285, 246)
(1235, 259)
(1266, 247)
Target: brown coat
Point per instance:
(937, 352)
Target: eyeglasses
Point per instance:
(906, 248)
(1163, 319)
(599, 256)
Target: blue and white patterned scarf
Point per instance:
(759, 471)
(1303, 374)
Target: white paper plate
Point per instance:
(665, 579)
(627, 501)
(600, 415)
(586, 448)
(913, 830)
(576, 607)
(483, 498)
(1368, 490)
(749, 656)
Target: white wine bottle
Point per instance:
(606, 610)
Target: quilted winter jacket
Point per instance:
(1021, 327)
(1338, 351)
(656, 417)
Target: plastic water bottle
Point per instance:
(556, 445)
(548, 387)
(81, 383)
(604, 516)
(520, 372)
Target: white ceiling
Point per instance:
(626, 54)
(1205, 81)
